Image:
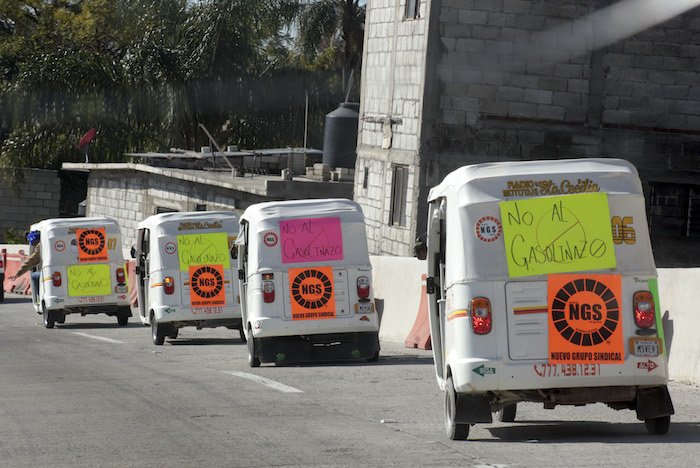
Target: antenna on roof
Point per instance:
(211, 138)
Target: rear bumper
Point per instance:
(268, 327)
(318, 348)
(473, 375)
(110, 305)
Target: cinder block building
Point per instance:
(447, 83)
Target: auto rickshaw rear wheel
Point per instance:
(659, 425)
(455, 430)
(253, 359)
(507, 413)
(157, 331)
(49, 320)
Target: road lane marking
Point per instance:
(262, 380)
(100, 338)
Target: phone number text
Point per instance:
(566, 370)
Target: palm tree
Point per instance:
(323, 24)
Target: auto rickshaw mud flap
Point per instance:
(653, 402)
(473, 409)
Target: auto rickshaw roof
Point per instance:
(489, 182)
(176, 218)
(264, 215)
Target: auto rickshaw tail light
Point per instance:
(169, 285)
(363, 287)
(268, 289)
(481, 315)
(644, 313)
(121, 277)
(56, 277)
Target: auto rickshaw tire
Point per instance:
(507, 413)
(455, 430)
(157, 332)
(658, 426)
(374, 358)
(241, 333)
(173, 332)
(253, 359)
(49, 320)
(123, 320)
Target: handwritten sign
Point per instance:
(203, 249)
(557, 234)
(309, 240)
(92, 245)
(585, 323)
(89, 280)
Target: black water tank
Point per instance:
(340, 136)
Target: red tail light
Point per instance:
(169, 285)
(121, 278)
(363, 287)
(56, 278)
(644, 313)
(268, 289)
(481, 315)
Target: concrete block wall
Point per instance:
(129, 196)
(507, 91)
(39, 200)
(496, 84)
(390, 116)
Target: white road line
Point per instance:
(100, 338)
(262, 380)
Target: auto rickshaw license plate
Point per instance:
(645, 347)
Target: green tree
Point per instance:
(145, 74)
(335, 26)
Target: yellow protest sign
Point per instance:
(89, 280)
(203, 249)
(557, 234)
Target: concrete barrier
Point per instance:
(679, 294)
(397, 291)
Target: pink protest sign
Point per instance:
(309, 240)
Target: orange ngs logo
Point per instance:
(312, 293)
(585, 323)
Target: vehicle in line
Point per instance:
(542, 287)
(82, 270)
(306, 282)
(186, 272)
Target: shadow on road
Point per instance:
(205, 341)
(555, 432)
(69, 325)
(16, 299)
(384, 360)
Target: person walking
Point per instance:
(34, 259)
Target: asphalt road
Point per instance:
(90, 393)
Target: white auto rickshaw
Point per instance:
(186, 272)
(82, 270)
(542, 288)
(306, 282)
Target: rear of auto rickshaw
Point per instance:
(82, 270)
(306, 282)
(542, 288)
